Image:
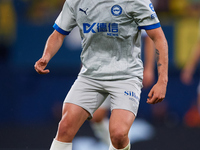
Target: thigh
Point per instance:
(73, 117)
(100, 114)
(74, 114)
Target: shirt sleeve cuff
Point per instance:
(149, 27)
(57, 28)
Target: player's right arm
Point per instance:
(52, 46)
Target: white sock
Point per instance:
(101, 130)
(57, 145)
(128, 147)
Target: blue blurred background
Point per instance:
(30, 104)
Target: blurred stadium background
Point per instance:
(30, 104)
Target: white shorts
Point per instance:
(90, 94)
(106, 103)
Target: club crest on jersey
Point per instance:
(116, 10)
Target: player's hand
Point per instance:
(40, 66)
(157, 93)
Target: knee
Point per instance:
(65, 131)
(118, 136)
(63, 126)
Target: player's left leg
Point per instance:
(125, 97)
(119, 126)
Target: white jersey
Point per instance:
(111, 35)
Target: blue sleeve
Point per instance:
(149, 27)
(57, 28)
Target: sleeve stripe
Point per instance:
(57, 28)
(153, 26)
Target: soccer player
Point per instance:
(111, 33)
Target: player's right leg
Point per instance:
(72, 119)
(80, 103)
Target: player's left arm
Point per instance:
(158, 91)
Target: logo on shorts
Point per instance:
(116, 10)
(131, 94)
